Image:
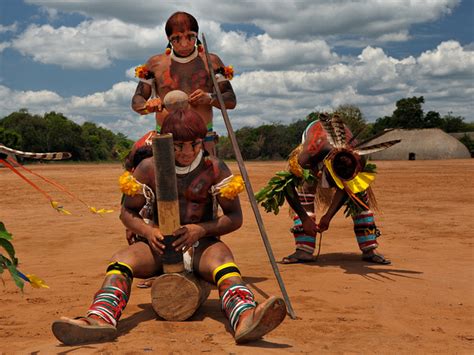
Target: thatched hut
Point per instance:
(420, 144)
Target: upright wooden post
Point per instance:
(167, 199)
(177, 294)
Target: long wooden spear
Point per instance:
(248, 186)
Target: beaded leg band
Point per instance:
(365, 230)
(112, 298)
(235, 300)
(303, 241)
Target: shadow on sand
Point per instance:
(352, 264)
(211, 308)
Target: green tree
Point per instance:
(451, 124)
(354, 119)
(432, 120)
(225, 149)
(468, 142)
(31, 128)
(63, 135)
(55, 132)
(409, 113)
(10, 138)
(122, 146)
(250, 142)
(95, 147)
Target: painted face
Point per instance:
(186, 152)
(183, 42)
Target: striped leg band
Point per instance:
(112, 298)
(365, 230)
(224, 272)
(235, 300)
(306, 200)
(303, 241)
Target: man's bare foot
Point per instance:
(372, 256)
(255, 323)
(298, 257)
(72, 331)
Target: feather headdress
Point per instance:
(344, 163)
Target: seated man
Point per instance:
(200, 230)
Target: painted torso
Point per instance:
(188, 77)
(195, 200)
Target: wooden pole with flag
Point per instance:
(248, 186)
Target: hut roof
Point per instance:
(426, 144)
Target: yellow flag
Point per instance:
(36, 282)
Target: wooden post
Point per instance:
(176, 295)
(167, 199)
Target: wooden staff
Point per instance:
(248, 186)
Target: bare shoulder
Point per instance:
(216, 61)
(219, 167)
(145, 172)
(157, 59)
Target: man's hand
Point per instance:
(324, 223)
(200, 97)
(154, 105)
(154, 237)
(186, 236)
(309, 225)
(130, 236)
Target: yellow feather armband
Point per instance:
(230, 187)
(129, 185)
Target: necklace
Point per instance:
(184, 60)
(183, 170)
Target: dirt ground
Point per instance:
(422, 303)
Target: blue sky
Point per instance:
(290, 57)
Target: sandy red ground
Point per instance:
(422, 303)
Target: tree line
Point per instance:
(53, 132)
(275, 141)
(89, 142)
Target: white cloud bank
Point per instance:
(373, 82)
(96, 44)
(280, 19)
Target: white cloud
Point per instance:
(374, 82)
(12, 100)
(10, 28)
(96, 44)
(92, 44)
(449, 58)
(289, 19)
(4, 45)
(401, 36)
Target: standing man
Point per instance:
(183, 67)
